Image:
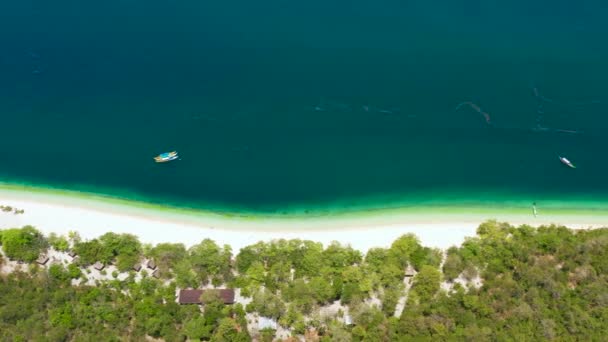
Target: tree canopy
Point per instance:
(505, 283)
(124, 250)
(24, 244)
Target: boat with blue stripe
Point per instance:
(166, 157)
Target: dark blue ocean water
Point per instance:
(278, 104)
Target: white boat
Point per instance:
(166, 157)
(567, 162)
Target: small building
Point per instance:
(151, 264)
(42, 259)
(155, 274)
(227, 295)
(98, 266)
(71, 253)
(137, 267)
(190, 296)
(193, 296)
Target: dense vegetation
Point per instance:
(548, 283)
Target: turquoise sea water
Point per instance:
(278, 106)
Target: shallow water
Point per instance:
(280, 106)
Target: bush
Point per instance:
(23, 244)
(60, 243)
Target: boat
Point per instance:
(567, 162)
(166, 157)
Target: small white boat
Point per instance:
(567, 162)
(166, 157)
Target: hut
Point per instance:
(193, 296)
(227, 295)
(98, 266)
(42, 259)
(137, 267)
(71, 253)
(190, 296)
(151, 264)
(155, 274)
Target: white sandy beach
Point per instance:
(61, 214)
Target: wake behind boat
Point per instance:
(166, 157)
(566, 162)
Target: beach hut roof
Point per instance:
(227, 296)
(151, 264)
(190, 296)
(98, 266)
(42, 259)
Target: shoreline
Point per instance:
(489, 201)
(439, 227)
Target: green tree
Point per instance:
(210, 261)
(90, 252)
(453, 265)
(403, 248)
(321, 290)
(426, 283)
(390, 297)
(337, 257)
(250, 254)
(337, 332)
(166, 257)
(426, 256)
(376, 258)
(305, 256)
(229, 330)
(184, 275)
(256, 274)
(267, 304)
(23, 244)
(278, 274)
(60, 243)
(63, 317)
(213, 307)
(57, 272)
(267, 335)
(125, 248)
(300, 294)
(197, 329)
